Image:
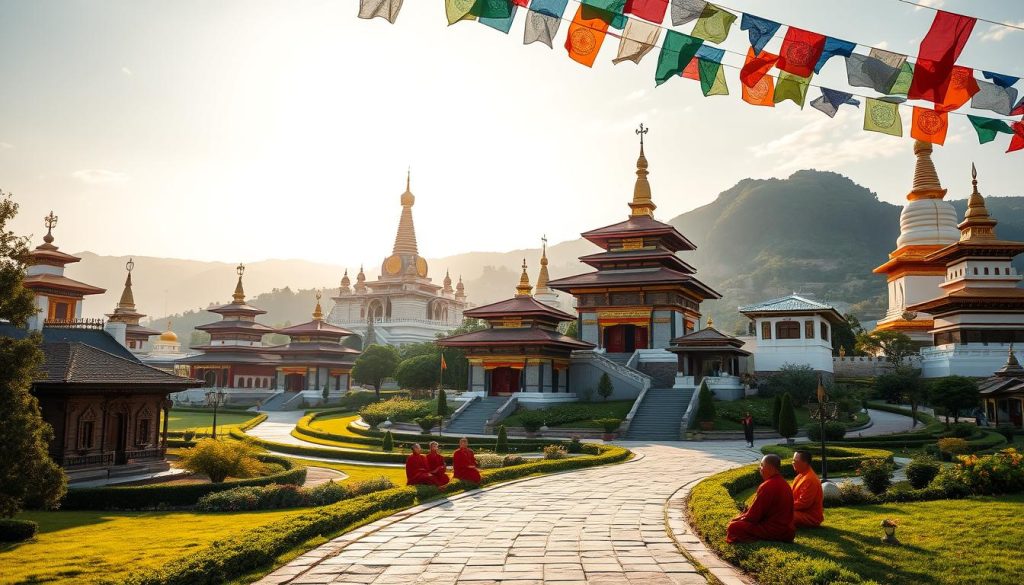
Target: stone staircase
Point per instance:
(279, 401)
(620, 358)
(471, 420)
(659, 415)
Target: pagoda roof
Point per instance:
(791, 304)
(514, 336)
(971, 297)
(236, 308)
(219, 354)
(313, 347)
(635, 276)
(316, 327)
(641, 225)
(981, 247)
(709, 337)
(236, 324)
(97, 338)
(140, 330)
(50, 255)
(660, 255)
(59, 282)
(77, 363)
(518, 306)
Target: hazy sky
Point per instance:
(250, 129)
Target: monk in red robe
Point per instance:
(808, 499)
(770, 517)
(417, 472)
(436, 466)
(464, 463)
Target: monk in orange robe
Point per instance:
(770, 517)
(436, 466)
(808, 499)
(464, 463)
(416, 470)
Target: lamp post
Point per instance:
(822, 411)
(215, 398)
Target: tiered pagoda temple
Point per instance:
(135, 335)
(314, 359)
(712, 356)
(642, 294)
(1003, 393)
(521, 351)
(979, 312)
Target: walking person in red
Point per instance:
(436, 466)
(748, 429)
(464, 463)
(770, 517)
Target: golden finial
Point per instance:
(977, 224)
(926, 180)
(50, 221)
(127, 298)
(1011, 360)
(318, 313)
(711, 322)
(239, 296)
(524, 288)
(642, 204)
(543, 277)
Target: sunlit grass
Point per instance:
(202, 422)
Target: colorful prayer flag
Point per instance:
(1000, 79)
(937, 56)
(650, 10)
(761, 93)
(987, 128)
(692, 70)
(878, 69)
(883, 116)
(494, 9)
(761, 30)
(832, 48)
(637, 40)
(756, 66)
(684, 11)
(801, 49)
(1017, 142)
(586, 33)
(444, 366)
(929, 125)
(494, 18)
(791, 87)
(714, 24)
(1018, 110)
(386, 9)
(609, 10)
(959, 89)
(676, 52)
(995, 98)
(542, 21)
(457, 10)
(709, 68)
(902, 84)
(831, 99)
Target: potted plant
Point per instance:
(610, 426)
(531, 422)
(889, 527)
(706, 413)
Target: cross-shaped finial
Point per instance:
(544, 239)
(130, 265)
(317, 295)
(240, 269)
(640, 132)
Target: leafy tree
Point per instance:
(787, 417)
(903, 385)
(844, 334)
(442, 404)
(388, 442)
(502, 445)
(26, 470)
(571, 329)
(327, 392)
(799, 380)
(604, 387)
(419, 372)
(776, 408)
(222, 459)
(705, 404)
(954, 394)
(895, 346)
(374, 365)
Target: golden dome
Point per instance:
(169, 336)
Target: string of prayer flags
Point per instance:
(586, 34)
(883, 116)
(902, 84)
(499, 15)
(937, 56)
(987, 128)
(959, 89)
(709, 67)
(684, 11)
(831, 99)
(637, 40)
(676, 52)
(929, 125)
(800, 51)
(650, 10)
(457, 10)
(878, 69)
(993, 97)
(714, 24)
(1017, 142)
(542, 21)
(386, 9)
(612, 11)
(1000, 79)
(761, 30)
(833, 48)
(791, 87)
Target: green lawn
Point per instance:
(584, 413)
(202, 422)
(730, 413)
(358, 472)
(89, 547)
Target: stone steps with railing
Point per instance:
(473, 418)
(659, 414)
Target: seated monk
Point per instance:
(808, 500)
(436, 466)
(416, 470)
(770, 517)
(464, 463)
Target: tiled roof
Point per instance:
(791, 303)
(316, 327)
(95, 337)
(639, 276)
(518, 307)
(638, 225)
(57, 281)
(518, 335)
(708, 338)
(79, 363)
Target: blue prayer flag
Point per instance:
(503, 24)
(834, 47)
(761, 30)
(831, 99)
(554, 8)
(1000, 79)
(710, 54)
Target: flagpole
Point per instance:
(440, 389)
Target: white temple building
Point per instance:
(791, 330)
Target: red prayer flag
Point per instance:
(651, 10)
(960, 86)
(756, 66)
(586, 33)
(929, 125)
(939, 51)
(522, 3)
(800, 51)
(692, 70)
(1017, 142)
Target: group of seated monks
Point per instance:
(431, 469)
(778, 509)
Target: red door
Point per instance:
(504, 381)
(615, 339)
(639, 338)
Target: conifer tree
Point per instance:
(787, 417)
(442, 404)
(502, 446)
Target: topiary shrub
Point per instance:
(574, 446)
(12, 530)
(442, 403)
(510, 460)
(555, 452)
(961, 430)
(604, 387)
(590, 449)
(787, 417)
(921, 470)
(776, 408)
(609, 425)
(388, 442)
(502, 444)
(877, 475)
(489, 461)
(531, 420)
(950, 447)
(188, 435)
(834, 431)
(706, 405)
(219, 460)
(852, 494)
(428, 422)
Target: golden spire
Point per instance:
(447, 282)
(711, 322)
(238, 297)
(977, 224)
(642, 203)
(926, 180)
(50, 221)
(405, 239)
(318, 313)
(460, 289)
(345, 282)
(127, 298)
(360, 280)
(1011, 359)
(523, 289)
(543, 277)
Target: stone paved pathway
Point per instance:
(604, 525)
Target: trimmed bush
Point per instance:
(489, 461)
(574, 446)
(705, 404)
(604, 386)
(396, 409)
(555, 452)
(428, 422)
(609, 425)
(776, 409)
(787, 417)
(502, 444)
(839, 458)
(531, 420)
(220, 459)
(273, 497)
(961, 430)
(951, 446)
(12, 530)
(921, 470)
(510, 460)
(388, 442)
(877, 474)
(188, 435)
(834, 431)
(442, 403)
(852, 494)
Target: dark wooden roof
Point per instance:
(316, 327)
(638, 226)
(97, 338)
(55, 281)
(236, 325)
(979, 247)
(227, 354)
(708, 339)
(657, 256)
(514, 336)
(524, 306)
(75, 363)
(640, 276)
(967, 298)
(237, 309)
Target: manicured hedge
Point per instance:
(839, 458)
(339, 453)
(145, 497)
(12, 530)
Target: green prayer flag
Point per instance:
(457, 10)
(495, 9)
(676, 53)
(714, 24)
(882, 116)
(712, 78)
(615, 10)
(902, 84)
(791, 87)
(987, 128)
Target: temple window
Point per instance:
(142, 438)
(986, 271)
(85, 434)
(975, 270)
(808, 329)
(766, 330)
(787, 330)
(824, 331)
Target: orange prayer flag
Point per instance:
(586, 33)
(762, 93)
(962, 86)
(692, 70)
(929, 125)
(444, 366)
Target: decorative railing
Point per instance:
(397, 321)
(96, 459)
(503, 412)
(73, 323)
(462, 408)
(624, 427)
(611, 366)
(150, 453)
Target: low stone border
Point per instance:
(692, 546)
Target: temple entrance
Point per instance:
(624, 338)
(294, 382)
(120, 438)
(504, 381)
